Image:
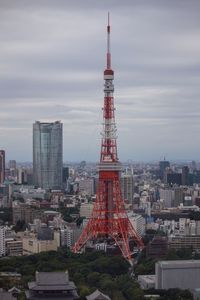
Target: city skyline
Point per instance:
(51, 69)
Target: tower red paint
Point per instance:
(109, 219)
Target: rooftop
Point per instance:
(6, 296)
(97, 295)
(48, 281)
(147, 278)
(179, 263)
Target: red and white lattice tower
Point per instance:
(109, 218)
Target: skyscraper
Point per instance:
(47, 155)
(163, 165)
(127, 187)
(185, 175)
(2, 241)
(2, 166)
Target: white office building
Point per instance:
(182, 274)
(138, 223)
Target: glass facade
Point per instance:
(47, 155)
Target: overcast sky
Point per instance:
(52, 57)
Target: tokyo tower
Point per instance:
(109, 219)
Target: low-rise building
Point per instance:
(147, 281)
(11, 278)
(14, 248)
(51, 285)
(187, 241)
(86, 210)
(157, 248)
(182, 274)
(6, 295)
(33, 245)
(25, 212)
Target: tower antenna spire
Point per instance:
(108, 44)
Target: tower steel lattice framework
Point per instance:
(109, 218)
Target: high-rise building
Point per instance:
(2, 241)
(2, 166)
(185, 175)
(178, 196)
(47, 155)
(21, 176)
(167, 195)
(65, 175)
(173, 178)
(127, 187)
(163, 165)
(12, 164)
(86, 186)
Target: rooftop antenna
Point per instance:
(108, 44)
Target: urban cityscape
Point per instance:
(122, 226)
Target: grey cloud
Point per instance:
(52, 54)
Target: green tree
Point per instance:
(84, 291)
(93, 279)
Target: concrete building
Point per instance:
(48, 155)
(66, 237)
(2, 166)
(65, 175)
(196, 294)
(174, 178)
(12, 164)
(6, 295)
(178, 196)
(157, 248)
(86, 210)
(69, 235)
(14, 248)
(11, 277)
(86, 186)
(21, 176)
(185, 175)
(2, 241)
(45, 233)
(32, 245)
(188, 241)
(138, 223)
(147, 281)
(127, 187)
(24, 212)
(182, 274)
(167, 195)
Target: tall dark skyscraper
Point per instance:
(2, 166)
(185, 175)
(162, 166)
(47, 154)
